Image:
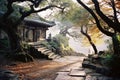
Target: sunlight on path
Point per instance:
(69, 59)
(73, 71)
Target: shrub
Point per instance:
(107, 60)
(46, 44)
(61, 43)
(60, 39)
(21, 56)
(113, 63)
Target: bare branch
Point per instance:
(96, 19)
(114, 10)
(88, 37)
(48, 7)
(109, 22)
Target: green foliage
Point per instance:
(69, 8)
(118, 37)
(60, 39)
(3, 7)
(43, 3)
(16, 13)
(80, 16)
(61, 43)
(77, 15)
(46, 44)
(62, 3)
(54, 44)
(107, 60)
(58, 44)
(4, 42)
(25, 46)
(113, 63)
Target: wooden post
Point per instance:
(43, 33)
(33, 35)
(27, 31)
(36, 34)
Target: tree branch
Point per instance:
(96, 19)
(115, 12)
(109, 22)
(89, 38)
(48, 7)
(25, 14)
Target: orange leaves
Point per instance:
(118, 4)
(96, 36)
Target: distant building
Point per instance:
(35, 30)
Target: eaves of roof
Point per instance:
(38, 23)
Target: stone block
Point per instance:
(64, 77)
(87, 71)
(85, 64)
(62, 73)
(77, 72)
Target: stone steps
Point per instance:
(72, 71)
(76, 72)
(45, 51)
(96, 71)
(73, 74)
(98, 68)
(37, 46)
(51, 54)
(42, 49)
(55, 56)
(65, 76)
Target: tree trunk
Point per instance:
(116, 45)
(89, 38)
(92, 44)
(14, 39)
(94, 47)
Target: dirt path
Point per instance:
(40, 69)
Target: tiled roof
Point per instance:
(38, 23)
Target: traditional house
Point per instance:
(35, 30)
